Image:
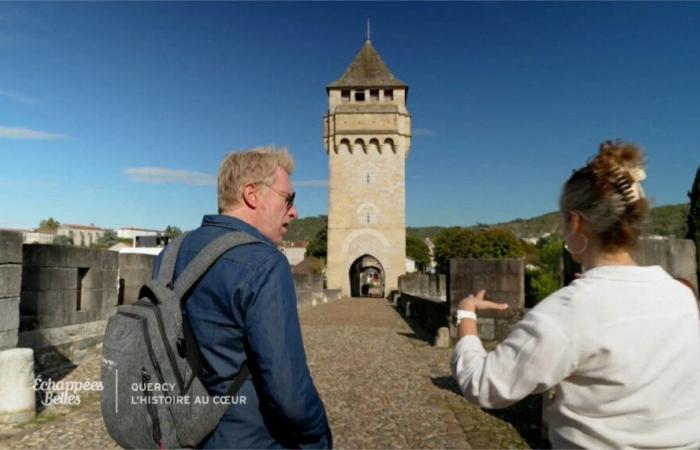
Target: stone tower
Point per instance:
(367, 135)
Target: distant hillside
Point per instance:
(668, 220)
(305, 229)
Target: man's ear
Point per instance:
(251, 195)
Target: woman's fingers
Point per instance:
(478, 302)
(482, 303)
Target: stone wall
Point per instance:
(10, 285)
(134, 271)
(503, 280)
(67, 295)
(676, 256)
(310, 292)
(431, 286)
(430, 313)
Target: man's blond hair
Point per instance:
(249, 166)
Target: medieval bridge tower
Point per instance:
(367, 135)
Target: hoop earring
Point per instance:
(568, 248)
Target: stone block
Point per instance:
(10, 247)
(17, 396)
(9, 314)
(54, 337)
(69, 318)
(49, 278)
(135, 276)
(129, 295)
(10, 280)
(8, 339)
(136, 261)
(39, 255)
(97, 278)
(48, 302)
(442, 338)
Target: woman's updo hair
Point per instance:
(608, 193)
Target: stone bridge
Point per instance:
(383, 383)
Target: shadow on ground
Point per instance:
(525, 416)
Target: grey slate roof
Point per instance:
(367, 70)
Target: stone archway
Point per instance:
(366, 277)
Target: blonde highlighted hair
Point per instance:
(257, 165)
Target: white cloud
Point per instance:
(423, 132)
(20, 98)
(161, 175)
(311, 183)
(27, 134)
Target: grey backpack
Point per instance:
(152, 394)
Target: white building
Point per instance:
(37, 237)
(131, 232)
(294, 251)
(82, 235)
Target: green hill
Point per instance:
(667, 220)
(305, 229)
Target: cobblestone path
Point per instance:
(383, 384)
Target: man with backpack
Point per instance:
(242, 314)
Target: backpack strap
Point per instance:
(206, 258)
(167, 264)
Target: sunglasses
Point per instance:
(289, 198)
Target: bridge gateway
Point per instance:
(367, 136)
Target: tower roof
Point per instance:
(367, 70)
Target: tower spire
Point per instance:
(368, 29)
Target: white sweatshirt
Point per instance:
(622, 346)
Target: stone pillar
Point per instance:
(10, 286)
(134, 271)
(17, 396)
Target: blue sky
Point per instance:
(118, 114)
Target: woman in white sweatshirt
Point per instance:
(621, 344)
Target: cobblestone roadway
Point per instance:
(383, 387)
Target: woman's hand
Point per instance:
(477, 302)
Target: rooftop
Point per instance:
(367, 70)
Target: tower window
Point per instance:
(345, 95)
(367, 178)
(388, 94)
(374, 94)
(359, 96)
(368, 218)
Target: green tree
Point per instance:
(549, 253)
(545, 277)
(694, 218)
(49, 225)
(62, 240)
(172, 232)
(108, 239)
(542, 283)
(457, 242)
(418, 251)
(318, 246)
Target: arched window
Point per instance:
(359, 146)
(344, 146)
(388, 146)
(374, 146)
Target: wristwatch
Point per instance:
(461, 314)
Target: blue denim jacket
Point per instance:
(245, 308)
